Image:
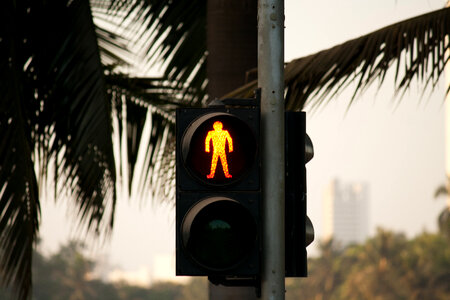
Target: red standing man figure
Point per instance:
(219, 138)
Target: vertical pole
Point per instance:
(271, 82)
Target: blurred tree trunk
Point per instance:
(232, 52)
(231, 43)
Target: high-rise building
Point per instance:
(346, 212)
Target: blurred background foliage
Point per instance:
(387, 266)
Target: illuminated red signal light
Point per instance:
(219, 138)
(218, 148)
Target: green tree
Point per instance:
(64, 275)
(62, 87)
(324, 275)
(377, 268)
(387, 266)
(426, 267)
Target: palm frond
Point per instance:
(19, 200)
(164, 94)
(77, 89)
(114, 50)
(171, 33)
(418, 47)
(145, 127)
(419, 44)
(54, 111)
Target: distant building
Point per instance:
(346, 212)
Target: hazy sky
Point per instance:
(398, 149)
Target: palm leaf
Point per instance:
(171, 33)
(418, 44)
(177, 41)
(113, 48)
(54, 111)
(144, 108)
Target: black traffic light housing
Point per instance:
(218, 219)
(298, 228)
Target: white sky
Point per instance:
(397, 149)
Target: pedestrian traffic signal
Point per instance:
(218, 192)
(299, 232)
(217, 148)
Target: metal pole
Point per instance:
(271, 82)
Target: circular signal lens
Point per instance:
(218, 148)
(219, 233)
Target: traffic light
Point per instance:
(299, 232)
(218, 191)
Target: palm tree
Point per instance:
(63, 89)
(444, 216)
(54, 111)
